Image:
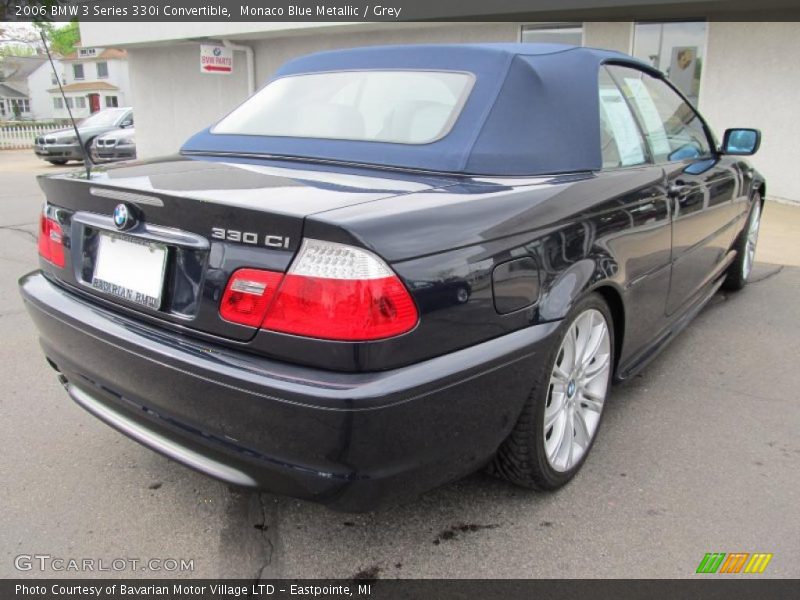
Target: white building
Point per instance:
(39, 82)
(15, 97)
(740, 74)
(93, 78)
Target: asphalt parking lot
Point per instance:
(700, 453)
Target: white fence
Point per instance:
(21, 136)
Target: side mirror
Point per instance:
(741, 142)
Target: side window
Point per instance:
(672, 127)
(620, 139)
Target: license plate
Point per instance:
(42, 149)
(130, 269)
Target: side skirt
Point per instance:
(682, 319)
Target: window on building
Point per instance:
(112, 102)
(53, 79)
(58, 103)
(2, 108)
(677, 49)
(69, 103)
(553, 33)
(102, 70)
(620, 138)
(80, 102)
(671, 126)
(77, 71)
(18, 106)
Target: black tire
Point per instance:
(735, 278)
(521, 458)
(57, 162)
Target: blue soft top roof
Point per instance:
(532, 110)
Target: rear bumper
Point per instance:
(353, 441)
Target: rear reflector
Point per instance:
(248, 295)
(331, 291)
(51, 243)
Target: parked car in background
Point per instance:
(58, 147)
(393, 266)
(119, 144)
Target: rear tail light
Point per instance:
(247, 296)
(336, 292)
(51, 240)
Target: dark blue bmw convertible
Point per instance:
(393, 266)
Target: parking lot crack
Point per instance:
(268, 528)
(20, 229)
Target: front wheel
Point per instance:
(560, 420)
(57, 162)
(745, 246)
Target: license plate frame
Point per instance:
(130, 269)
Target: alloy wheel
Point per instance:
(577, 390)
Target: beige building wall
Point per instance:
(751, 78)
(609, 35)
(172, 99)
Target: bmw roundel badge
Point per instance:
(123, 219)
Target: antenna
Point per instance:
(87, 161)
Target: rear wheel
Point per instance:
(745, 247)
(559, 423)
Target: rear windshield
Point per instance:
(403, 107)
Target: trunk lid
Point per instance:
(210, 217)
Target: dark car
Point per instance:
(59, 147)
(119, 144)
(394, 266)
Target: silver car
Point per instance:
(58, 147)
(119, 144)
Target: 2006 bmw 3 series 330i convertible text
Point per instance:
(393, 266)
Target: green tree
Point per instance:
(16, 50)
(63, 40)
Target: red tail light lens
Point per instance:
(51, 241)
(248, 295)
(331, 291)
(338, 292)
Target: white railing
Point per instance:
(21, 136)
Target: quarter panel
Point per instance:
(581, 231)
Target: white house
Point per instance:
(92, 78)
(15, 99)
(39, 82)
